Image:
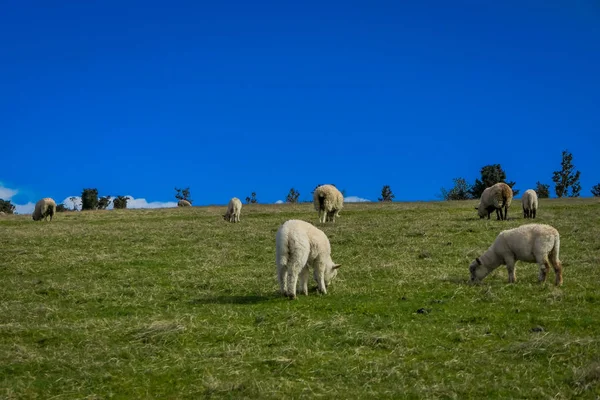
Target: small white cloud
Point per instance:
(6, 193)
(70, 203)
(279, 202)
(354, 199)
(24, 208)
(142, 203)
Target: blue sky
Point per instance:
(135, 98)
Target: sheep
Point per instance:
(493, 198)
(234, 208)
(530, 203)
(44, 208)
(300, 245)
(328, 201)
(183, 203)
(537, 243)
(2, 213)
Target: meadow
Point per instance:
(177, 303)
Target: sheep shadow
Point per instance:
(250, 299)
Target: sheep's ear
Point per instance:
(336, 266)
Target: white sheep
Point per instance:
(44, 208)
(300, 245)
(234, 208)
(183, 203)
(531, 243)
(328, 201)
(2, 213)
(493, 198)
(530, 203)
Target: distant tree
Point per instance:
(120, 202)
(89, 199)
(61, 207)
(596, 190)
(183, 194)
(386, 194)
(490, 175)
(460, 191)
(292, 196)
(7, 207)
(74, 202)
(104, 202)
(542, 190)
(567, 178)
(252, 199)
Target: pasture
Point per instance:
(178, 303)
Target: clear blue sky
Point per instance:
(137, 97)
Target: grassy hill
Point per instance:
(177, 303)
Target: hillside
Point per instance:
(177, 303)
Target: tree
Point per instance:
(74, 202)
(490, 175)
(292, 196)
(542, 190)
(596, 190)
(61, 207)
(252, 199)
(386, 194)
(89, 199)
(104, 202)
(7, 207)
(120, 202)
(567, 177)
(183, 194)
(460, 191)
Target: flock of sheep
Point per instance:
(300, 245)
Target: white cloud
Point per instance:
(24, 208)
(354, 199)
(6, 193)
(142, 203)
(279, 202)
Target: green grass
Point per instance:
(177, 303)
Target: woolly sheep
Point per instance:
(328, 202)
(44, 208)
(183, 203)
(537, 243)
(530, 203)
(2, 213)
(493, 198)
(300, 245)
(234, 208)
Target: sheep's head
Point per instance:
(478, 270)
(481, 211)
(331, 272)
(226, 217)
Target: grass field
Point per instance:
(177, 303)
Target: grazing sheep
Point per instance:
(530, 203)
(183, 203)
(298, 246)
(328, 202)
(530, 243)
(234, 208)
(2, 213)
(493, 198)
(44, 208)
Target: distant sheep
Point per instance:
(2, 213)
(530, 243)
(495, 197)
(530, 203)
(328, 201)
(183, 203)
(298, 246)
(234, 208)
(44, 208)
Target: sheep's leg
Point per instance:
(544, 269)
(320, 275)
(510, 267)
(498, 214)
(533, 213)
(505, 213)
(304, 281)
(282, 275)
(558, 273)
(292, 281)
